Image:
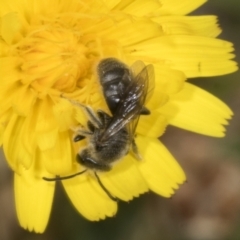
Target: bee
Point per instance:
(110, 137)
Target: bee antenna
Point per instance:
(58, 178)
(105, 189)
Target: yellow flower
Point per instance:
(50, 48)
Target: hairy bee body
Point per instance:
(110, 138)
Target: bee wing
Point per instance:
(148, 71)
(131, 103)
(137, 68)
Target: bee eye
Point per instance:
(78, 138)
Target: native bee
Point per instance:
(111, 137)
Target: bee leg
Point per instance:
(145, 111)
(91, 127)
(81, 134)
(104, 117)
(105, 189)
(91, 114)
(94, 119)
(135, 150)
(90, 163)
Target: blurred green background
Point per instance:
(207, 207)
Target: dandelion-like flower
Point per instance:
(51, 48)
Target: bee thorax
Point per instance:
(112, 148)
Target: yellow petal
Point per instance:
(197, 110)
(169, 81)
(33, 198)
(152, 125)
(46, 126)
(58, 159)
(189, 25)
(89, 198)
(24, 100)
(163, 7)
(124, 181)
(161, 171)
(80, 116)
(176, 7)
(5, 116)
(111, 3)
(16, 153)
(7, 95)
(13, 6)
(193, 55)
(10, 27)
(129, 31)
(138, 7)
(9, 71)
(63, 112)
(44, 111)
(47, 140)
(28, 139)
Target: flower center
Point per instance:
(58, 55)
(55, 59)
